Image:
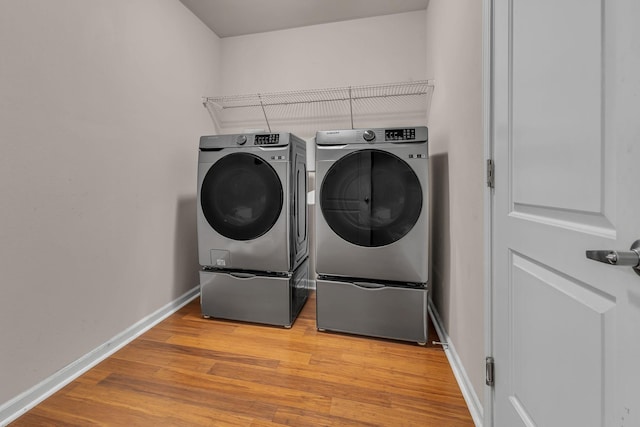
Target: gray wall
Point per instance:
(347, 53)
(100, 117)
(454, 60)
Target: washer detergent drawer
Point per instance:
(386, 312)
(272, 300)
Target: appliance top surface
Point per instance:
(240, 140)
(395, 135)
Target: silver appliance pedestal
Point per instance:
(372, 309)
(254, 296)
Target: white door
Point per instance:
(566, 135)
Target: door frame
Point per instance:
(487, 119)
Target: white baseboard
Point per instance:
(17, 406)
(469, 394)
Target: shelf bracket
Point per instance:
(265, 113)
(207, 106)
(351, 106)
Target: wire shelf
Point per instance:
(307, 111)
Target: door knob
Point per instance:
(630, 258)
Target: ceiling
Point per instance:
(228, 18)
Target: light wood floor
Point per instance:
(189, 371)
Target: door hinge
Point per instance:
(490, 371)
(490, 174)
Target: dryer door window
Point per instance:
(241, 196)
(371, 198)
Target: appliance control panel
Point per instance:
(417, 134)
(267, 139)
(408, 134)
(246, 140)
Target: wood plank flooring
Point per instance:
(190, 371)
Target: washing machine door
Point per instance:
(241, 196)
(371, 198)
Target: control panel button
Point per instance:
(241, 140)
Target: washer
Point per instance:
(252, 212)
(372, 213)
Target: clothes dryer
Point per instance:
(372, 214)
(252, 211)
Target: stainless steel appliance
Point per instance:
(372, 213)
(252, 227)
(372, 231)
(252, 211)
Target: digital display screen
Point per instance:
(267, 139)
(399, 134)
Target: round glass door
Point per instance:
(241, 196)
(371, 198)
